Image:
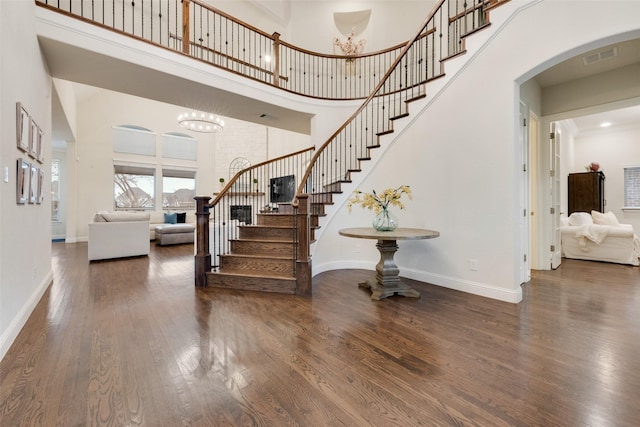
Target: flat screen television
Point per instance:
(282, 189)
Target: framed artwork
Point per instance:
(40, 196)
(40, 141)
(22, 127)
(22, 181)
(33, 139)
(33, 184)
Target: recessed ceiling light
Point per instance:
(605, 124)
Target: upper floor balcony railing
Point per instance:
(205, 33)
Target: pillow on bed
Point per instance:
(580, 218)
(608, 218)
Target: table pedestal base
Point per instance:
(388, 281)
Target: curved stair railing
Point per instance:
(202, 32)
(440, 38)
(421, 60)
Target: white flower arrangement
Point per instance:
(350, 47)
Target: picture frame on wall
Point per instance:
(33, 139)
(40, 196)
(22, 181)
(33, 184)
(22, 127)
(40, 140)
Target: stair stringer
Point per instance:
(453, 67)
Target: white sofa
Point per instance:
(118, 234)
(157, 218)
(599, 237)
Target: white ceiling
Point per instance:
(594, 62)
(617, 118)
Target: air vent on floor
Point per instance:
(611, 52)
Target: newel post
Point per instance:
(276, 59)
(203, 257)
(303, 261)
(185, 26)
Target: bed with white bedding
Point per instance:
(599, 237)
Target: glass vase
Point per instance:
(385, 220)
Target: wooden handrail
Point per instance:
(224, 55)
(302, 80)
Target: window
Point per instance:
(178, 189)
(134, 187)
(55, 190)
(632, 187)
(132, 139)
(177, 145)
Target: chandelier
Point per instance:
(198, 121)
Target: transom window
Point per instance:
(632, 187)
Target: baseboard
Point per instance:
(76, 239)
(475, 288)
(10, 334)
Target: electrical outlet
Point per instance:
(473, 264)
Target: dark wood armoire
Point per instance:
(586, 192)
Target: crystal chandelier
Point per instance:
(199, 121)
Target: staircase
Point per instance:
(266, 256)
(262, 258)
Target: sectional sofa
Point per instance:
(126, 234)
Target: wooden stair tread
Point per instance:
(251, 256)
(415, 98)
(399, 116)
(259, 240)
(250, 275)
(257, 226)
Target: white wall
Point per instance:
(391, 22)
(461, 157)
(614, 149)
(25, 245)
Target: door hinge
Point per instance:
(553, 248)
(525, 257)
(524, 212)
(524, 122)
(524, 167)
(552, 173)
(552, 211)
(552, 135)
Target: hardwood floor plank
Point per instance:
(133, 342)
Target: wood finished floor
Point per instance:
(132, 342)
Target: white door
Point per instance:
(554, 162)
(525, 269)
